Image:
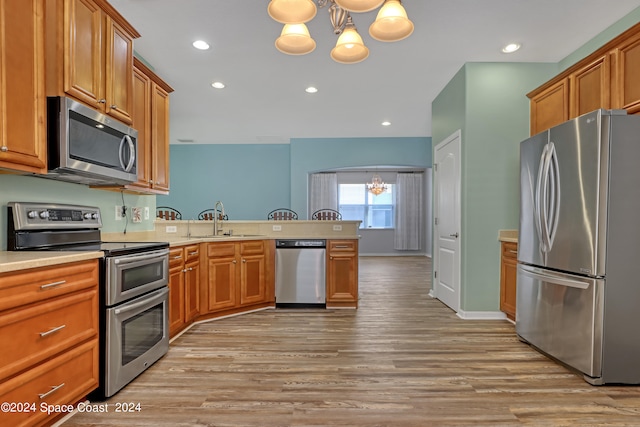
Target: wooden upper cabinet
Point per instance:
(550, 106)
(90, 55)
(150, 115)
(605, 79)
(627, 70)
(590, 87)
(22, 90)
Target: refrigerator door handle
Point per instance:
(551, 278)
(538, 200)
(554, 173)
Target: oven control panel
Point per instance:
(32, 216)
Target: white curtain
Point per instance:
(409, 211)
(323, 192)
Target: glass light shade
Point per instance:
(349, 48)
(295, 40)
(292, 11)
(377, 186)
(359, 5)
(392, 23)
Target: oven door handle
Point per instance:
(150, 300)
(142, 257)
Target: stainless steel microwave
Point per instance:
(88, 147)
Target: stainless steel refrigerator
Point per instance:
(578, 280)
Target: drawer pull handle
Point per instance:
(511, 251)
(341, 246)
(177, 257)
(193, 253)
(53, 284)
(53, 389)
(51, 331)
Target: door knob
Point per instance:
(454, 235)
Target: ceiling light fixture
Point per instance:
(311, 89)
(376, 186)
(510, 48)
(386, 123)
(201, 44)
(391, 24)
(218, 85)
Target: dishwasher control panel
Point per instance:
(301, 243)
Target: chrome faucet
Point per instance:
(217, 217)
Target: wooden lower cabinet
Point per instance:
(508, 273)
(238, 275)
(184, 287)
(342, 273)
(49, 335)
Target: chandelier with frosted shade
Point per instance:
(391, 24)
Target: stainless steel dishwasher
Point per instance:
(300, 273)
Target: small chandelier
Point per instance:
(376, 186)
(391, 25)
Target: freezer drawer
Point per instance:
(562, 315)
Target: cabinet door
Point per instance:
(626, 89)
(192, 291)
(589, 87)
(252, 279)
(342, 273)
(222, 283)
(141, 121)
(83, 61)
(176, 299)
(22, 91)
(118, 72)
(550, 107)
(160, 138)
(508, 274)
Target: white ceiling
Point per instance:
(264, 100)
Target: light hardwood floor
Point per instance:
(401, 359)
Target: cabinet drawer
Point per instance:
(62, 380)
(35, 333)
(192, 253)
(25, 287)
(510, 250)
(221, 249)
(252, 247)
(176, 257)
(342, 246)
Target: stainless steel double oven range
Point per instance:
(134, 324)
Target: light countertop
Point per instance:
(508, 236)
(13, 261)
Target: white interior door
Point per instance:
(446, 286)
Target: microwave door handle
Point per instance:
(132, 153)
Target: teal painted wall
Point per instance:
(487, 102)
(250, 179)
(15, 188)
(592, 45)
(309, 155)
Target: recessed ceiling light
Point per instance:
(386, 123)
(311, 89)
(218, 85)
(510, 48)
(201, 44)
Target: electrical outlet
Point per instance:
(171, 229)
(146, 212)
(337, 228)
(118, 213)
(277, 228)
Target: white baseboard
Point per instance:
(422, 254)
(481, 315)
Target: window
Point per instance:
(356, 203)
